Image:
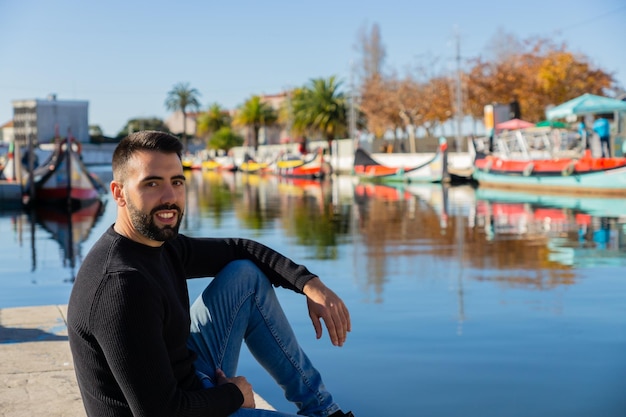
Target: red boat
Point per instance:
(64, 180)
(531, 160)
(314, 167)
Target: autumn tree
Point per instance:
(377, 96)
(540, 74)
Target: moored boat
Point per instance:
(64, 180)
(536, 161)
(300, 167)
(252, 166)
(431, 169)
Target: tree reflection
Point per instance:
(419, 230)
(313, 221)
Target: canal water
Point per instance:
(464, 302)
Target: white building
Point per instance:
(175, 123)
(7, 133)
(40, 119)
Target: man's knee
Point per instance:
(242, 272)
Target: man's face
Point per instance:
(154, 196)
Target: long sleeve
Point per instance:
(207, 256)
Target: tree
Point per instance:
(143, 123)
(255, 114)
(320, 107)
(181, 98)
(224, 139)
(213, 120)
(540, 74)
(377, 96)
(95, 131)
(372, 52)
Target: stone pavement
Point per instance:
(36, 369)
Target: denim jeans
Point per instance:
(240, 304)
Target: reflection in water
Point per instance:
(68, 228)
(304, 209)
(520, 240)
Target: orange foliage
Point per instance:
(537, 75)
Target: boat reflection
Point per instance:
(513, 239)
(577, 230)
(69, 229)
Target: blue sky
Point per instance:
(124, 56)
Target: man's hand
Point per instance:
(243, 385)
(324, 304)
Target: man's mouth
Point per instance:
(166, 216)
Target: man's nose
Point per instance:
(169, 194)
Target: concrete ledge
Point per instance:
(36, 370)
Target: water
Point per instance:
(464, 302)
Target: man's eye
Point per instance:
(179, 183)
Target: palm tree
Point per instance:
(256, 114)
(213, 120)
(321, 108)
(182, 97)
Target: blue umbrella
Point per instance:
(586, 104)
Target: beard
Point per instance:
(145, 225)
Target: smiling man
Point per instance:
(140, 349)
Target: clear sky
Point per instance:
(123, 56)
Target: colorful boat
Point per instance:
(531, 162)
(292, 166)
(64, 180)
(432, 169)
(252, 166)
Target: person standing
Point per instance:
(603, 130)
(141, 349)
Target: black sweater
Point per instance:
(128, 323)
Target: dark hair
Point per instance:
(145, 140)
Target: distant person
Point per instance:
(140, 349)
(584, 134)
(603, 130)
(303, 148)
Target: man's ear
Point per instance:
(117, 192)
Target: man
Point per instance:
(139, 349)
(603, 130)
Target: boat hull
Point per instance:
(315, 168)
(57, 184)
(432, 169)
(602, 182)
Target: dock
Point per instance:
(37, 370)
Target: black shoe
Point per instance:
(341, 414)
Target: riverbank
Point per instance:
(37, 370)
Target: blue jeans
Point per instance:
(240, 304)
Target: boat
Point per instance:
(432, 169)
(547, 160)
(252, 166)
(219, 163)
(298, 166)
(63, 179)
(203, 161)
